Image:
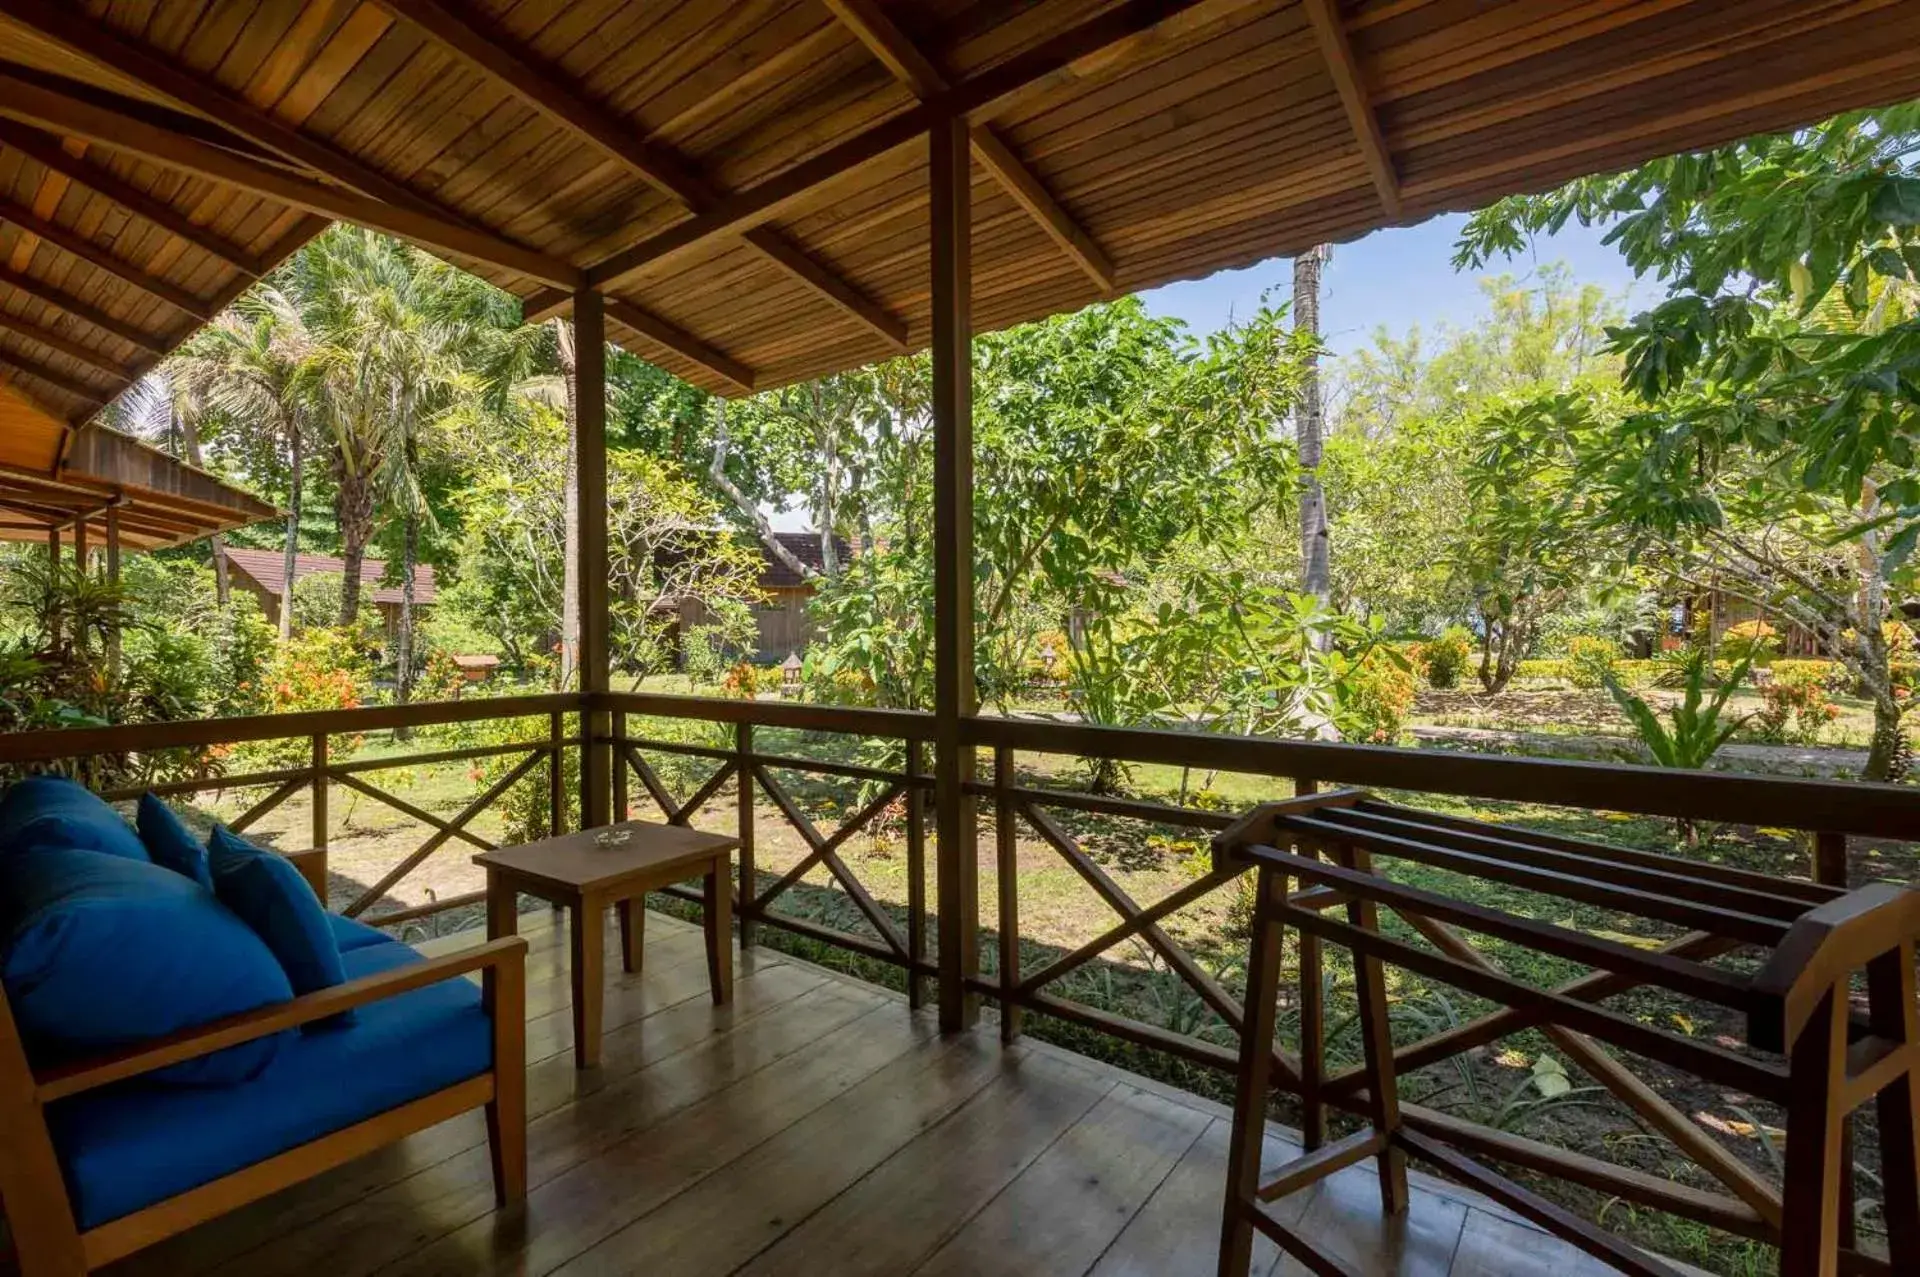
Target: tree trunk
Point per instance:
(296, 455)
(353, 510)
(1315, 577)
(403, 665)
(190, 443)
(569, 476)
(717, 470)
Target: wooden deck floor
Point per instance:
(816, 1126)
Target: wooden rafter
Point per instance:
(887, 42)
(46, 150)
(666, 169)
(1103, 39)
(72, 306)
(91, 39)
(40, 372)
(1344, 67)
(681, 342)
(121, 130)
(66, 346)
(77, 245)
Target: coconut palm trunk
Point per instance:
(1315, 575)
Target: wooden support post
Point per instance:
(80, 545)
(113, 580)
(1376, 1039)
(590, 427)
(556, 773)
(958, 873)
(1007, 876)
(1256, 1065)
(53, 566)
(916, 800)
(316, 864)
(743, 784)
(618, 726)
(1313, 1023)
(1830, 859)
(1810, 1204)
(1894, 1014)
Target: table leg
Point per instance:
(633, 932)
(589, 978)
(719, 918)
(503, 908)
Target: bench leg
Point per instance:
(506, 997)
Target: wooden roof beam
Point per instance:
(1100, 41)
(59, 380)
(660, 165)
(120, 130)
(65, 346)
(70, 305)
(95, 255)
(681, 343)
(1344, 67)
(887, 42)
(45, 149)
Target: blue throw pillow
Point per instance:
(99, 952)
(52, 811)
(170, 843)
(272, 897)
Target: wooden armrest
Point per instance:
(216, 1035)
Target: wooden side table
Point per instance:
(585, 875)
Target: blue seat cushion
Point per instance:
(52, 811)
(169, 842)
(351, 934)
(100, 951)
(131, 1145)
(273, 898)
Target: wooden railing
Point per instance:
(320, 771)
(909, 786)
(1020, 794)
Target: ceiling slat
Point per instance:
(1324, 16)
(117, 130)
(96, 255)
(46, 150)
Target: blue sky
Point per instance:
(1395, 278)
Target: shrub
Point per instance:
(1544, 670)
(742, 681)
(1675, 667)
(1750, 640)
(1636, 673)
(1795, 705)
(1591, 661)
(318, 669)
(1445, 657)
(1832, 676)
(1372, 696)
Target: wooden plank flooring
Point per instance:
(817, 1126)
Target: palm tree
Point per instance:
(400, 330)
(256, 367)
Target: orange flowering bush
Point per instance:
(317, 669)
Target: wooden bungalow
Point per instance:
(755, 193)
(263, 573)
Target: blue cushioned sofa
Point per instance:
(157, 1069)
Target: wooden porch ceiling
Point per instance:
(746, 181)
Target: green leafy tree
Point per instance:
(1775, 379)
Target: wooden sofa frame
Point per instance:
(46, 1237)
